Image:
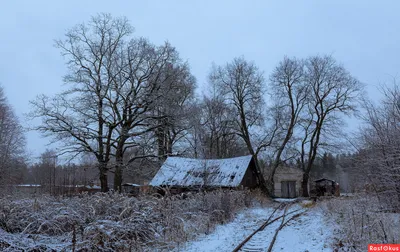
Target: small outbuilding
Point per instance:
(326, 187)
(131, 188)
(183, 174)
(287, 182)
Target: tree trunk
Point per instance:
(118, 178)
(169, 149)
(161, 143)
(277, 161)
(118, 173)
(103, 177)
(269, 183)
(261, 180)
(304, 184)
(119, 161)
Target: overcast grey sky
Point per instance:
(363, 35)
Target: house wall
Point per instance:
(250, 178)
(287, 174)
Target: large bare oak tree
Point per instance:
(115, 83)
(289, 95)
(332, 91)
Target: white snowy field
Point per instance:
(312, 231)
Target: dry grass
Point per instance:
(109, 222)
(361, 222)
(307, 203)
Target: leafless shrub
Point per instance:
(360, 221)
(114, 222)
(377, 157)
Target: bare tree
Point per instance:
(44, 171)
(151, 90)
(194, 138)
(219, 138)
(333, 90)
(12, 142)
(289, 94)
(117, 82)
(80, 117)
(241, 84)
(378, 161)
(174, 108)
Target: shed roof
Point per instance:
(130, 184)
(187, 172)
(324, 179)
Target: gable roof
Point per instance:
(187, 172)
(324, 179)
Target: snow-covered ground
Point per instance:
(309, 232)
(18, 242)
(285, 200)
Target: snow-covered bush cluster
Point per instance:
(360, 221)
(110, 222)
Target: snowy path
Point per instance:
(309, 232)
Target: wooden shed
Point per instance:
(287, 182)
(326, 187)
(131, 188)
(193, 174)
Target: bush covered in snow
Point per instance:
(109, 222)
(361, 221)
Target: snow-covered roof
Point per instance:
(324, 179)
(28, 185)
(131, 184)
(187, 172)
(93, 187)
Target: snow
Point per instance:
(88, 186)
(179, 171)
(15, 242)
(347, 194)
(309, 232)
(131, 184)
(93, 187)
(226, 237)
(285, 200)
(28, 185)
(118, 221)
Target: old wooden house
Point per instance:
(287, 182)
(183, 174)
